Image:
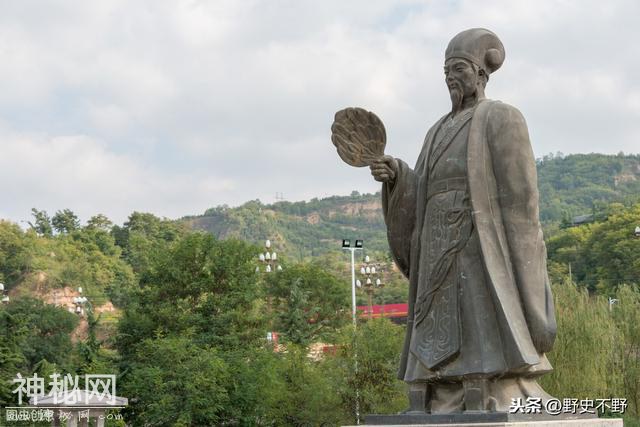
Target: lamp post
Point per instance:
(5, 296)
(370, 282)
(270, 260)
(79, 302)
(346, 245)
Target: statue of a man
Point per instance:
(463, 227)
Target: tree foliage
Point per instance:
(303, 392)
(376, 346)
(178, 383)
(65, 221)
(580, 184)
(41, 222)
(203, 287)
(143, 236)
(13, 332)
(604, 254)
(308, 302)
(48, 335)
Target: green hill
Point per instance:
(580, 184)
(571, 185)
(301, 229)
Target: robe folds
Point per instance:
(502, 188)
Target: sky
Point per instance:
(176, 106)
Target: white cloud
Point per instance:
(79, 173)
(175, 106)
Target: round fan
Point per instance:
(359, 136)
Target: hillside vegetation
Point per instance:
(579, 184)
(302, 229)
(571, 185)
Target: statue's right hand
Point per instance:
(384, 169)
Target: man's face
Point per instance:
(461, 78)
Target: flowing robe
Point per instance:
(509, 270)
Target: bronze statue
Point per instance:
(463, 226)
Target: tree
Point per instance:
(308, 302)
(144, 236)
(602, 255)
(199, 302)
(13, 330)
(377, 344)
(294, 322)
(42, 222)
(49, 328)
(99, 222)
(301, 392)
(612, 251)
(65, 221)
(175, 382)
(17, 252)
(202, 286)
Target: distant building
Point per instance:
(397, 313)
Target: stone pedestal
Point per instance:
(490, 419)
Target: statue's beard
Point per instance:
(457, 96)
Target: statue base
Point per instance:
(491, 419)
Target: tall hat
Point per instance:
(478, 45)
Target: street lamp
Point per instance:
(5, 296)
(370, 282)
(269, 258)
(346, 245)
(79, 302)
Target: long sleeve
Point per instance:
(399, 209)
(517, 191)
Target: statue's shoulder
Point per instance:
(501, 113)
(435, 126)
(505, 126)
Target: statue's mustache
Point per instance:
(454, 85)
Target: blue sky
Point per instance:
(172, 107)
